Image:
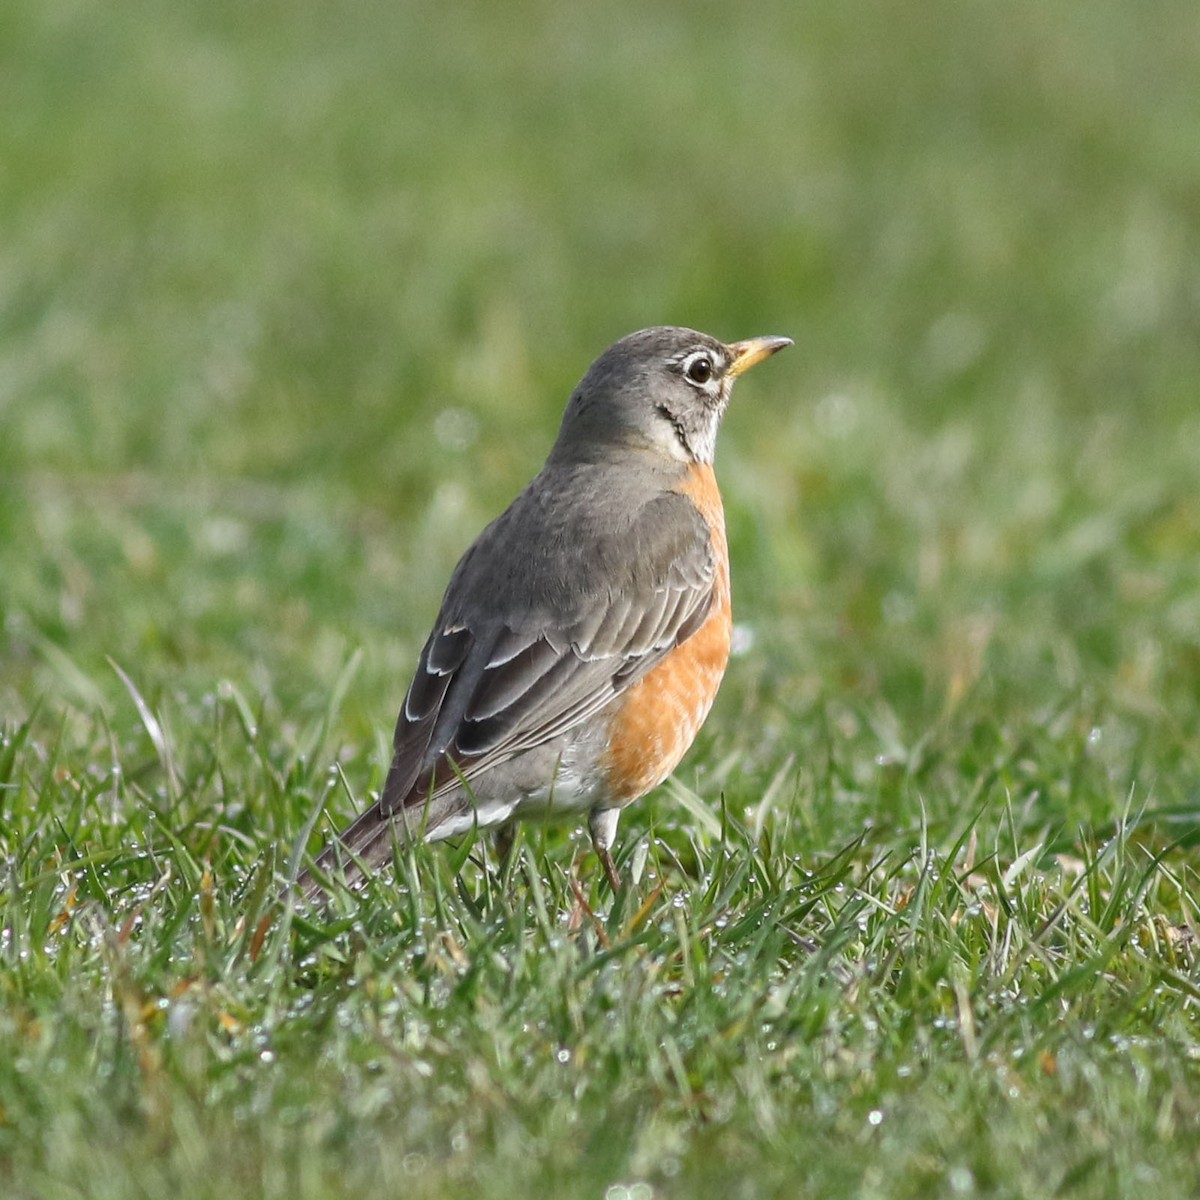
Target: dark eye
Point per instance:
(700, 369)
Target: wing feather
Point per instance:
(504, 683)
(518, 659)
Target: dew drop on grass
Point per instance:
(875, 1117)
(563, 1055)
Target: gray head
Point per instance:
(663, 389)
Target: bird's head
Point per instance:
(663, 389)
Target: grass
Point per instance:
(290, 300)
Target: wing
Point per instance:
(529, 643)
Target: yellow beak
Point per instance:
(752, 351)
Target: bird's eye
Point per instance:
(699, 369)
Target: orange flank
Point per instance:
(661, 713)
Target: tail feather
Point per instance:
(365, 845)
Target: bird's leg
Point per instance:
(610, 868)
(603, 826)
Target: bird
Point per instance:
(583, 636)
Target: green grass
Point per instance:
(290, 299)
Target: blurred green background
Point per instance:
(291, 298)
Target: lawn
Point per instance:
(291, 297)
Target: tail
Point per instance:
(367, 843)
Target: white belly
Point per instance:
(508, 792)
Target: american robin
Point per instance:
(583, 636)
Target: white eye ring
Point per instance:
(699, 368)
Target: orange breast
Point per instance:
(661, 714)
